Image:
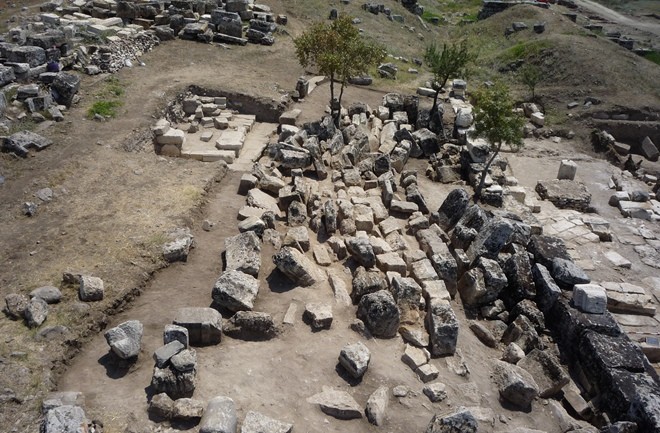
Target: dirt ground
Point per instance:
(115, 201)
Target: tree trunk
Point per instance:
(435, 102)
(484, 172)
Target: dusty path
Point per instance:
(632, 22)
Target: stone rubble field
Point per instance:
(427, 299)
(350, 282)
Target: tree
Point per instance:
(530, 75)
(497, 123)
(446, 63)
(338, 51)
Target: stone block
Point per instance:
(567, 169)
(204, 325)
(590, 298)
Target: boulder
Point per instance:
(435, 391)
(163, 354)
(442, 325)
(36, 312)
(125, 339)
(297, 267)
(547, 291)
(452, 208)
(204, 325)
(338, 404)
(515, 385)
(65, 419)
(91, 288)
(590, 298)
(546, 370)
(256, 422)
(251, 325)
(235, 291)
(184, 361)
(361, 250)
(64, 87)
(377, 405)
(161, 405)
(219, 416)
(318, 315)
(243, 253)
(355, 359)
(566, 273)
(461, 421)
(15, 305)
(50, 294)
(174, 383)
(187, 409)
(297, 237)
(21, 141)
(490, 240)
(379, 313)
(367, 281)
(176, 332)
(179, 248)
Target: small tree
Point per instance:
(338, 51)
(446, 63)
(495, 121)
(530, 75)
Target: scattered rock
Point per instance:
(380, 314)
(91, 288)
(256, 422)
(125, 339)
(461, 421)
(50, 294)
(36, 312)
(355, 359)
(219, 416)
(338, 404)
(236, 291)
(319, 315)
(515, 385)
(377, 405)
(435, 391)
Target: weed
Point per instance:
(114, 87)
(108, 102)
(25, 124)
(104, 108)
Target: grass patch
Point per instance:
(430, 16)
(104, 108)
(108, 99)
(460, 5)
(653, 56)
(25, 124)
(523, 50)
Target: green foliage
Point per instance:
(105, 108)
(530, 75)
(523, 50)
(451, 61)
(427, 16)
(495, 121)
(653, 56)
(108, 99)
(337, 50)
(494, 118)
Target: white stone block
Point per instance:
(590, 298)
(538, 119)
(567, 170)
(172, 136)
